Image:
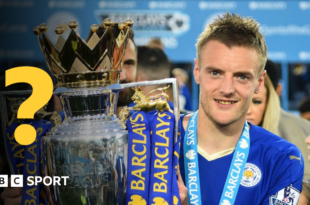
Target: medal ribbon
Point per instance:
(192, 169)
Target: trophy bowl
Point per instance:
(95, 163)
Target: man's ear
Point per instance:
(196, 71)
(139, 78)
(261, 82)
(279, 89)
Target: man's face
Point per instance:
(228, 78)
(128, 73)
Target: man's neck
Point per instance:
(213, 137)
(148, 89)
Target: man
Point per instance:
(129, 72)
(291, 127)
(239, 163)
(153, 64)
(304, 108)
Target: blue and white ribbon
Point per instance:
(192, 167)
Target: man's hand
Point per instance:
(182, 189)
(12, 195)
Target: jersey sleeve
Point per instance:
(287, 175)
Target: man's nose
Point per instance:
(122, 76)
(249, 111)
(227, 86)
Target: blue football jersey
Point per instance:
(273, 173)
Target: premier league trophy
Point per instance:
(102, 161)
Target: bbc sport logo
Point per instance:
(3, 180)
(18, 180)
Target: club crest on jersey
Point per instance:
(251, 175)
(286, 196)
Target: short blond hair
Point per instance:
(234, 30)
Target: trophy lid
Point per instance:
(96, 62)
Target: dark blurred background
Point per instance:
(285, 25)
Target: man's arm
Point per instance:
(182, 189)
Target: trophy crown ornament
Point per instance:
(96, 62)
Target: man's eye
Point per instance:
(214, 73)
(257, 102)
(243, 77)
(129, 62)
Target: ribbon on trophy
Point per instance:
(151, 174)
(139, 146)
(26, 160)
(162, 159)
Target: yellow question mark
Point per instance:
(42, 86)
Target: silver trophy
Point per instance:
(90, 144)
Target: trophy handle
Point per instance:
(165, 81)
